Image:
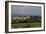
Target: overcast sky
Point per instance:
(25, 10)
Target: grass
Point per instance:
(26, 25)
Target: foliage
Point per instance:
(32, 22)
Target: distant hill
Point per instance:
(13, 15)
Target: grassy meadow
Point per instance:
(28, 23)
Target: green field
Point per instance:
(26, 25)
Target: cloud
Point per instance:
(26, 10)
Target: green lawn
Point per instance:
(26, 25)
